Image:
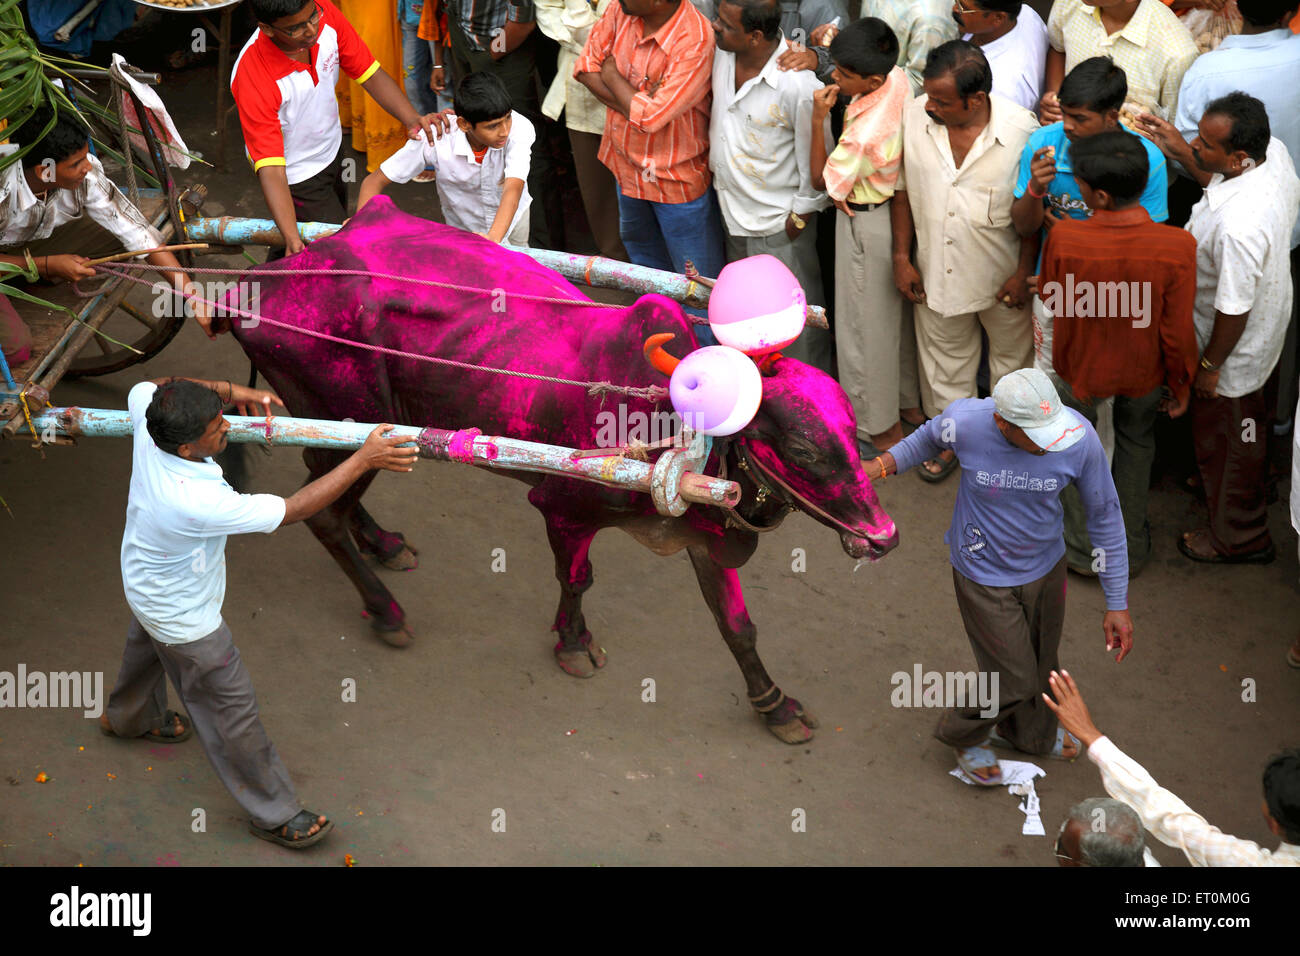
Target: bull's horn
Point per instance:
(656, 356)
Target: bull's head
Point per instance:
(802, 446)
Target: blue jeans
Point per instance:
(661, 235)
(417, 69)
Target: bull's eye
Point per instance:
(802, 454)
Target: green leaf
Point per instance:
(13, 292)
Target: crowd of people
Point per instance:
(1087, 219)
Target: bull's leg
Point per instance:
(785, 716)
(330, 526)
(575, 651)
(389, 548)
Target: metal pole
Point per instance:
(492, 451)
(593, 271)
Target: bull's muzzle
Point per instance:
(873, 547)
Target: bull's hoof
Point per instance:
(400, 556)
(400, 636)
(791, 723)
(581, 661)
(404, 560)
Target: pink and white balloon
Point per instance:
(757, 306)
(716, 390)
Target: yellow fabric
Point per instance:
(374, 132)
(269, 161)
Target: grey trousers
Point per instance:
(874, 332)
(215, 687)
(1135, 453)
(1015, 633)
(814, 347)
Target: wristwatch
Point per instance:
(1208, 365)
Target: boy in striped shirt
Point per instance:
(874, 334)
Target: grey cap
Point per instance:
(1026, 397)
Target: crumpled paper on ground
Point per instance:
(1018, 777)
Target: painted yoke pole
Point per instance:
(594, 271)
(467, 447)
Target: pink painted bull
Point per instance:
(799, 452)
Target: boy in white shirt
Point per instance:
(481, 164)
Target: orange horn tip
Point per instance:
(655, 354)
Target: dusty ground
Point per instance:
(476, 718)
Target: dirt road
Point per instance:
(475, 725)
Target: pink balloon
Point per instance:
(757, 305)
(716, 390)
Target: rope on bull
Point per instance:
(651, 393)
(549, 299)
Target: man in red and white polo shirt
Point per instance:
(283, 84)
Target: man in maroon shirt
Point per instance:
(1122, 289)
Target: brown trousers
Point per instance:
(1231, 440)
(1015, 633)
(599, 191)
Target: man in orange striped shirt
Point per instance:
(651, 63)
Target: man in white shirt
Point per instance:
(759, 137)
(1252, 62)
(961, 150)
(1171, 821)
(1242, 228)
(482, 163)
(1014, 40)
(178, 516)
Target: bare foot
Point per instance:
(177, 728)
(299, 834)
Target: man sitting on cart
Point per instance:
(59, 205)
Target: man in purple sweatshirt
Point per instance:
(1018, 450)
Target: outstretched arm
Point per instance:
(379, 452)
(1172, 821)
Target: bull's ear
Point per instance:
(657, 312)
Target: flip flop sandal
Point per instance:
(169, 724)
(1262, 556)
(971, 759)
(301, 823)
(1293, 655)
(867, 450)
(1058, 751)
(934, 477)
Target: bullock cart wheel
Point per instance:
(140, 329)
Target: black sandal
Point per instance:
(934, 477)
(297, 832)
(168, 735)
